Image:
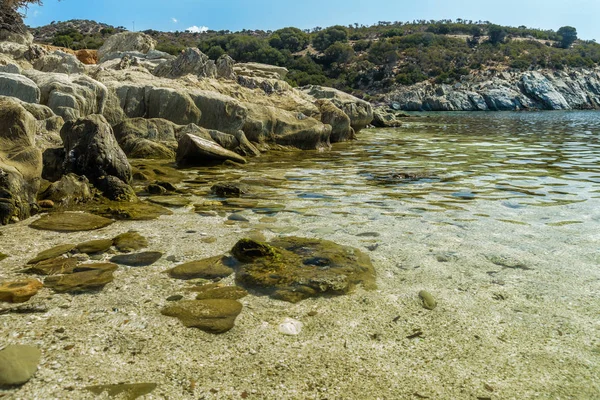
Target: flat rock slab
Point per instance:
(212, 315)
(209, 268)
(53, 266)
(128, 391)
(70, 222)
(137, 259)
(18, 364)
(52, 253)
(95, 246)
(19, 291)
(215, 291)
(86, 277)
(293, 269)
(138, 211)
(130, 241)
(170, 201)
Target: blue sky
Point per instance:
(274, 14)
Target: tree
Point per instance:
(497, 34)
(329, 36)
(292, 39)
(568, 35)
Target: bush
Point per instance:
(325, 38)
(292, 39)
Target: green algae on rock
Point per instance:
(216, 291)
(3, 256)
(18, 364)
(130, 241)
(428, 300)
(209, 315)
(293, 268)
(52, 253)
(138, 259)
(210, 268)
(94, 246)
(170, 201)
(53, 266)
(126, 391)
(70, 222)
(132, 211)
(86, 277)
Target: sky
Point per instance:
(234, 15)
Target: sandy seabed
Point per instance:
(497, 332)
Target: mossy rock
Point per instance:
(170, 201)
(53, 266)
(137, 259)
(293, 269)
(210, 315)
(3, 256)
(209, 268)
(70, 222)
(84, 278)
(54, 252)
(216, 291)
(134, 211)
(130, 241)
(95, 246)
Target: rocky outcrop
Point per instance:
(339, 121)
(19, 86)
(171, 104)
(92, 150)
(126, 41)
(59, 62)
(147, 138)
(69, 96)
(190, 61)
(194, 150)
(257, 70)
(273, 125)
(20, 161)
(359, 111)
(87, 57)
(225, 67)
(505, 91)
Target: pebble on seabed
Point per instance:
(290, 327)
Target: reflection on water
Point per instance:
(467, 165)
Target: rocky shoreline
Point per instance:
(569, 89)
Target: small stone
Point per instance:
(130, 241)
(18, 364)
(170, 201)
(290, 327)
(237, 217)
(137, 259)
(3, 256)
(175, 297)
(46, 204)
(156, 189)
(167, 185)
(70, 222)
(211, 315)
(52, 253)
(87, 277)
(428, 300)
(233, 189)
(95, 246)
(210, 239)
(19, 291)
(215, 291)
(209, 268)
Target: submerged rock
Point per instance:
(209, 268)
(18, 364)
(53, 266)
(70, 222)
(193, 150)
(230, 189)
(52, 253)
(70, 189)
(128, 391)
(210, 315)
(95, 246)
(215, 291)
(130, 241)
(137, 259)
(86, 277)
(293, 269)
(19, 291)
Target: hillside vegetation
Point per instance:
(371, 59)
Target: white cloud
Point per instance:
(197, 29)
(174, 20)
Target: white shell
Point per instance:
(290, 327)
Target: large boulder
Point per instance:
(19, 86)
(92, 150)
(219, 111)
(147, 138)
(126, 41)
(70, 189)
(341, 130)
(225, 67)
(538, 87)
(194, 150)
(20, 161)
(59, 62)
(266, 124)
(257, 70)
(69, 96)
(176, 106)
(190, 61)
(359, 111)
